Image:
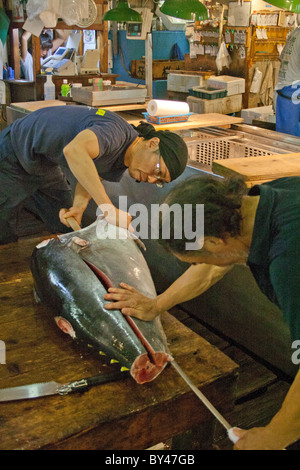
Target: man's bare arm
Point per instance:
(193, 282)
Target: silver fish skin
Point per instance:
(72, 274)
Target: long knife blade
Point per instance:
(25, 392)
(207, 403)
(43, 389)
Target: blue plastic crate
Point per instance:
(167, 119)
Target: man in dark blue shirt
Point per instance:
(94, 144)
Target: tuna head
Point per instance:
(72, 274)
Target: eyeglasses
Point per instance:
(157, 174)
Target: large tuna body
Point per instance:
(72, 274)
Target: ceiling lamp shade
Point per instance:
(185, 9)
(122, 13)
(290, 5)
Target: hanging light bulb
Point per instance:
(122, 13)
(185, 9)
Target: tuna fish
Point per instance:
(71, 275)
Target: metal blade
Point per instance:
(200, 395)
(29, 391)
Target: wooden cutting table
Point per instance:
(195, 121)
(31, 106)
(121, 415)
(258, 170)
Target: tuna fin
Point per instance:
(65, 326)
(77, 244)
(139, 243)
(36, 296)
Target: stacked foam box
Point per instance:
(233, 85)
(182, 83)
(230, 104)
(263, 113)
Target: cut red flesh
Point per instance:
(147, 366)
(143, 370)
(100, 275)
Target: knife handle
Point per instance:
(232, 436)
(73, 224)
(83, 384)
(103, 378)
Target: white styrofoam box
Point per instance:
(182, 82)
(127, 95)
(233, 85)
(262, 113)
(227, 105)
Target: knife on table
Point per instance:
(44, 389)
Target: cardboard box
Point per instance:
(159, 68)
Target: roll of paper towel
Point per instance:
(167, 108)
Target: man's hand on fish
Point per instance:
(131, 302)
(75, 212)
(113, 216)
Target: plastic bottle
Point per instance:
(159, 24)
(49, 88)
(65, 88)
(106, 85)
(75, 85)
(97, 84)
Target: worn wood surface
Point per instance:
(31, 106)
(257, 170)
(121, 415)
(196, 120)
(260, 390)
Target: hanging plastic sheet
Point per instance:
(71, 11)
(4, 24)
(256, 82)
(35, 7)
(223, 58)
